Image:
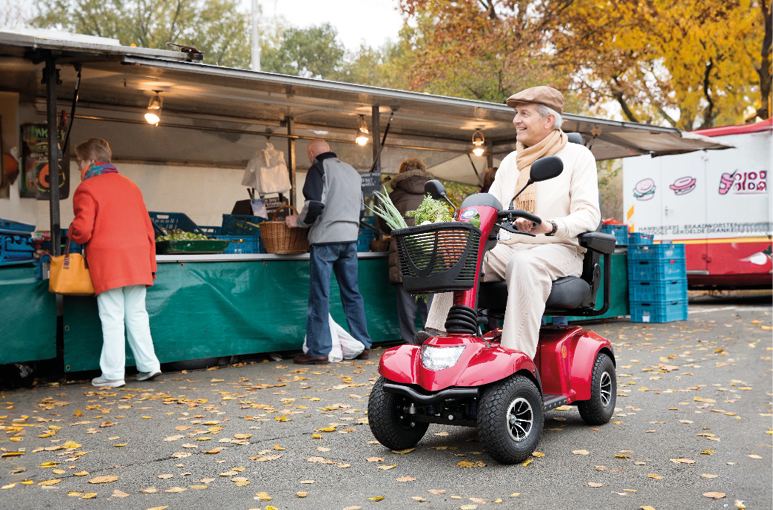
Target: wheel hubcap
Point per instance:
(520, 418)
(605, 387)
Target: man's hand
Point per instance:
(291, 221)
(525, 225)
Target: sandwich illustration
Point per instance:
(683, 185)
(644, 189)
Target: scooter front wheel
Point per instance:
(389, 420)
(510, 419)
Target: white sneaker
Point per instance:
(147, 376)
(110, 383)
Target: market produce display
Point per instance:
(179, 235)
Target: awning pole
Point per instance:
(50, 78)
(291, 160)
(375, 130)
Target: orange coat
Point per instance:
(110, 215)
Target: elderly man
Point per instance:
(568, 205)
(333, 207)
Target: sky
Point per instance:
(371, 21)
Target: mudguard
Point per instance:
(566, 357)
(477, 366)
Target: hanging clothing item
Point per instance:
(267, 171)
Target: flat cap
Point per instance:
(548, 96)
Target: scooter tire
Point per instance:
(603, 393)
(510, 419)
(390, 425)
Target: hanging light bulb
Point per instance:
(154, 108)
(477, 143)
(362, 132)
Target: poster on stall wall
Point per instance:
(35, 177)
(273, 203)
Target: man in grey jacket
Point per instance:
(333, 208)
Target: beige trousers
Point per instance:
(529, 270)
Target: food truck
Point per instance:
(210, 121)
(716, 202)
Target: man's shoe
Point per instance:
(364, 354)
(305, 359)
(109, 383)
(147, 376)
(423, 335)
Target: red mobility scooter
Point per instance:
(467, 378)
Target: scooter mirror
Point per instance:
(435, 189)
(545, 168)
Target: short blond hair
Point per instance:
(95, 149)
(412, 164)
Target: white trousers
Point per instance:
(529, 270)
(119, 307)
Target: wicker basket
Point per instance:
(281, 239)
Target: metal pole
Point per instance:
(375, 131)
(255, 65)
(51, 76)
(291, 159)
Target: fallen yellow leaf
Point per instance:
(104, 479)
(714, 495)
(654, 476)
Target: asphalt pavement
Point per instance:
(692, 430)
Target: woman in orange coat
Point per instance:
(112, 221)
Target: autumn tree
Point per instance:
(216, 27)
(683, 63)
(480, 49)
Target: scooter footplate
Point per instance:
(552, 401)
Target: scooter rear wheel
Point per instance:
(510, 419)
(603, 393)
(392, 426)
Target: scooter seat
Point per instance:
(567, 293)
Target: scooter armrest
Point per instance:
(598, 241)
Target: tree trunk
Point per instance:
(765, 64)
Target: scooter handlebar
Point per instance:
(518, 213)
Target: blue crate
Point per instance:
(171, 221)
(241, 225)
(15, 248)
(657, 291)
(666, 311)
(211, 230)
(656, 270)
(660, 251)
(637, 238)
(242, 244)
(364, 238)
(619, 231)
(16, 226)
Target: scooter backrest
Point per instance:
(545, 168)
(435, 189)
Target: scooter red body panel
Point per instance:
(565, 358)
(478, 365)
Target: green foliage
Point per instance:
(387, 210)
(313, 52)
(431, 210)
(216, 27)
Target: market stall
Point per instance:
(212, 122)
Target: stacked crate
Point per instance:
(657, 282)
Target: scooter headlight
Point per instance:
(438, 358)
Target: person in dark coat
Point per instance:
(407, 194)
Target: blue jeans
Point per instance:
(341, 258)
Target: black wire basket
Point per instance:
(440, 257)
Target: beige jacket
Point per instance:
(571, 199)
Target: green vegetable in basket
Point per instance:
(432, 211)
(387, 211)
(180, 235)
